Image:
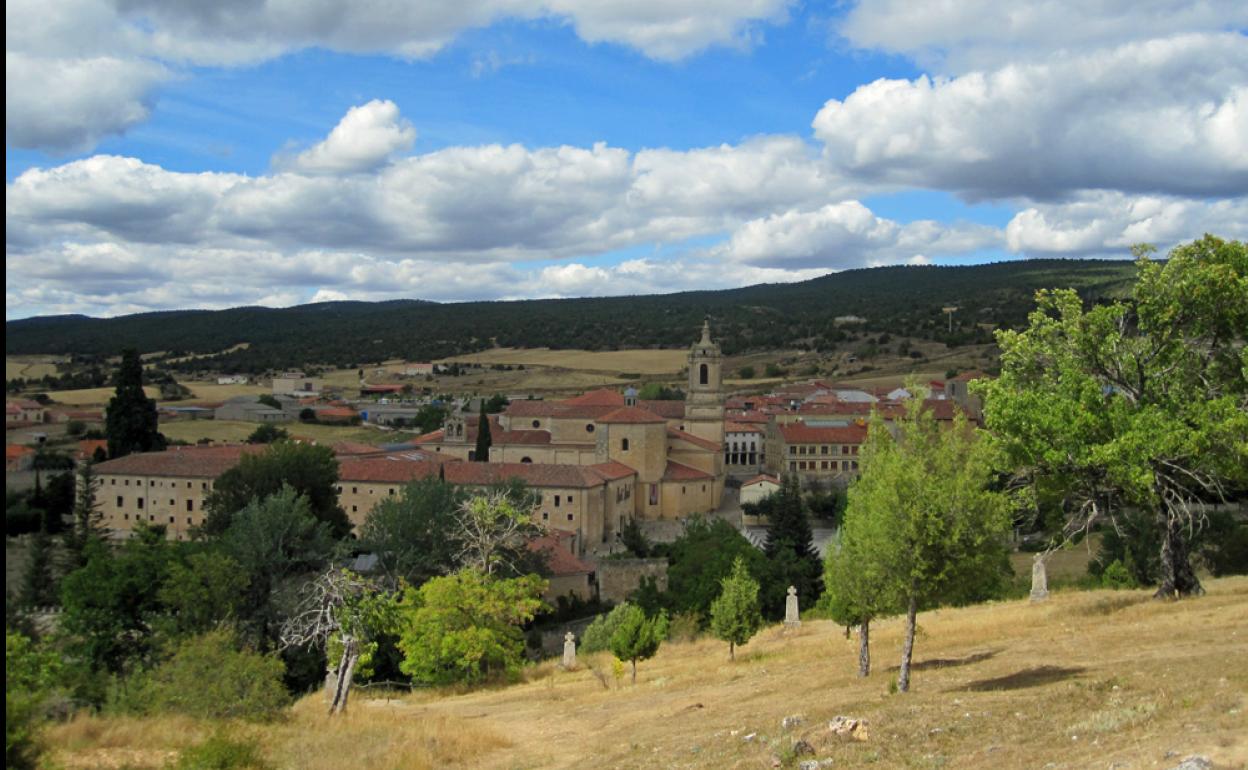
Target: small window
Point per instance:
(126, 516)
(188, 485)
(545, 516)
(170, 519)
(526, 460)
(537, 423)
(391, 491)
(556, 501)
(188, 520)
(569, 517)
(112, 482)
(355, 490)
(190, 506)
(127, 482)
(355, 508)
(624, 445)
(120, 501)
(140, 503)
(589, 428)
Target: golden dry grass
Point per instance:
(1088, 679)
(233, 430)
(29, 367)
(636, 361)
(93, 396)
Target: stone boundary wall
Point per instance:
(617, 578)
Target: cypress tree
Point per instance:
(131, 424)
(484, 441)
(38, 583)
(87, 518)
(790, 549)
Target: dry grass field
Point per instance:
(29, 367)
(233, 431)
(637, 361)
(1098, 679)
(92, 396)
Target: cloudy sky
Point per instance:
(175, 153)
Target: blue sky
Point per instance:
(165, 156)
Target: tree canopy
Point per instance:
(311, 471)
(1142, 401)
(735, 615)
(131, 423)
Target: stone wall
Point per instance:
(617, 578)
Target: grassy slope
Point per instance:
(1084, 680)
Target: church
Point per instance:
(672, 451)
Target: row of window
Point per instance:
(121, 503)
(151, 517)
(825, 465)
(824, 449)
(155, 483)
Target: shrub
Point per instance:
(209, 676)
(746, 373)
(1117, 576)
(597, 636)
(223, 752)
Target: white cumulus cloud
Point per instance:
(366, 138)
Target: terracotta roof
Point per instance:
(800, 433)
(672, 410)
(557, 409)
(681, 435)
(612, 471)
(680, 472)
(631, 415)
(532, 474)
(432, 437)
(24, 403)
(87, 447)
(195, 462)
(560, 559)
(382, 469)
(14, 451)
(347, 448)
(974, 374)
(600, 397)
(741, 427)
(751, 416)
(528, 437)
(760, 479)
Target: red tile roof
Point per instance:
(680, 472)
(559, 554)
(194, 462)
(526, 437)
(631, 415)
(760, 479)
(384, 470)
(698, 441)
(800, 433)
(741, 427)
(348, 448)
(612, 471)
(87, 447)
(974, 374)
(600, 397)
(14, 451)
(672, 410)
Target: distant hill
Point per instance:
(897, 300)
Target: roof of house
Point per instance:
(760, 479)
(631, 415)
(14, 451)
(600, 397)
(697, 441)
(346, 448)
(974, 374)
(672, 410)
(680, 472)
(560, 558)
(87, 446)
(612, 471)
(800, 433)
(24, 403)
(523, 437)
(195, 462)
(731, 426)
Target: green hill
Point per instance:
(897, 300)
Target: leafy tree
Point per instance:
(38, 587)
(269, 400)
(482, 453)
(735, 615)
(637, 637)
(31, 675)
(466, 627)
(267, 433)
(496, 403)
(790, 546)
(634, 539)
(654, 391)
(111, 602)
(429, 418)
(597, 636)
(312, 471)
(413, 534)
(1144, 399)
(492, 532)
(212, 676)
(855, 593)
(702, 557)
(937, 528)
(131, 423)
(204, 591)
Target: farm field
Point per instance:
(635, 361)
(29, 367)
(93, 396)
(1091, 679)
(227, 431)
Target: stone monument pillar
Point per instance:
(569, 651)
(1039, 579)
(792, 618)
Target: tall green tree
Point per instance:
(484, 440)
(87, 526)
(637, 637)
(130, 423)
(413, 532)
(702, 557)
(466, 627)
(311, 471)
(790, 548)
(38, 587)
(1143, 399)
(204, 591)
(735, 615)
(855, 591)
(938, 528)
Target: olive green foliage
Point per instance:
(212, 677)
(492, 532)
(88, 520)
(1224, 545)
(429, 418)
(1115, 575)
(702, 557)
(936, 529)
(223, 751)
(656, 391)
(735, 615)
(204, 591)
(597, 636)
(310, 470)
(38, 586)
(411, 533)
(31, 677)
(130, 422)
(637, 637)
(634, 539)
(267, 433)
(855, 591)
(1146, 398)
(466, 627)
(484, 440)
(790, 550)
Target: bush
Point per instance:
(75, 427)
(597, 636)
(746, 373)
(209, 677)
(1117, 576)
(223, 752)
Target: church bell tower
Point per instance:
(704, 399)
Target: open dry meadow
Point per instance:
(234, 430)
(30, 367)
(1098, 679)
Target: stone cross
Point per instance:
(792, 618)
(1039, 579)
(569, 651)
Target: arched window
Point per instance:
(704, 374)
(624, 445)
(526, 460)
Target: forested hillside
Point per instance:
(898, 300)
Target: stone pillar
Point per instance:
(792, 618)
(569, 651)
(1039, 579)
